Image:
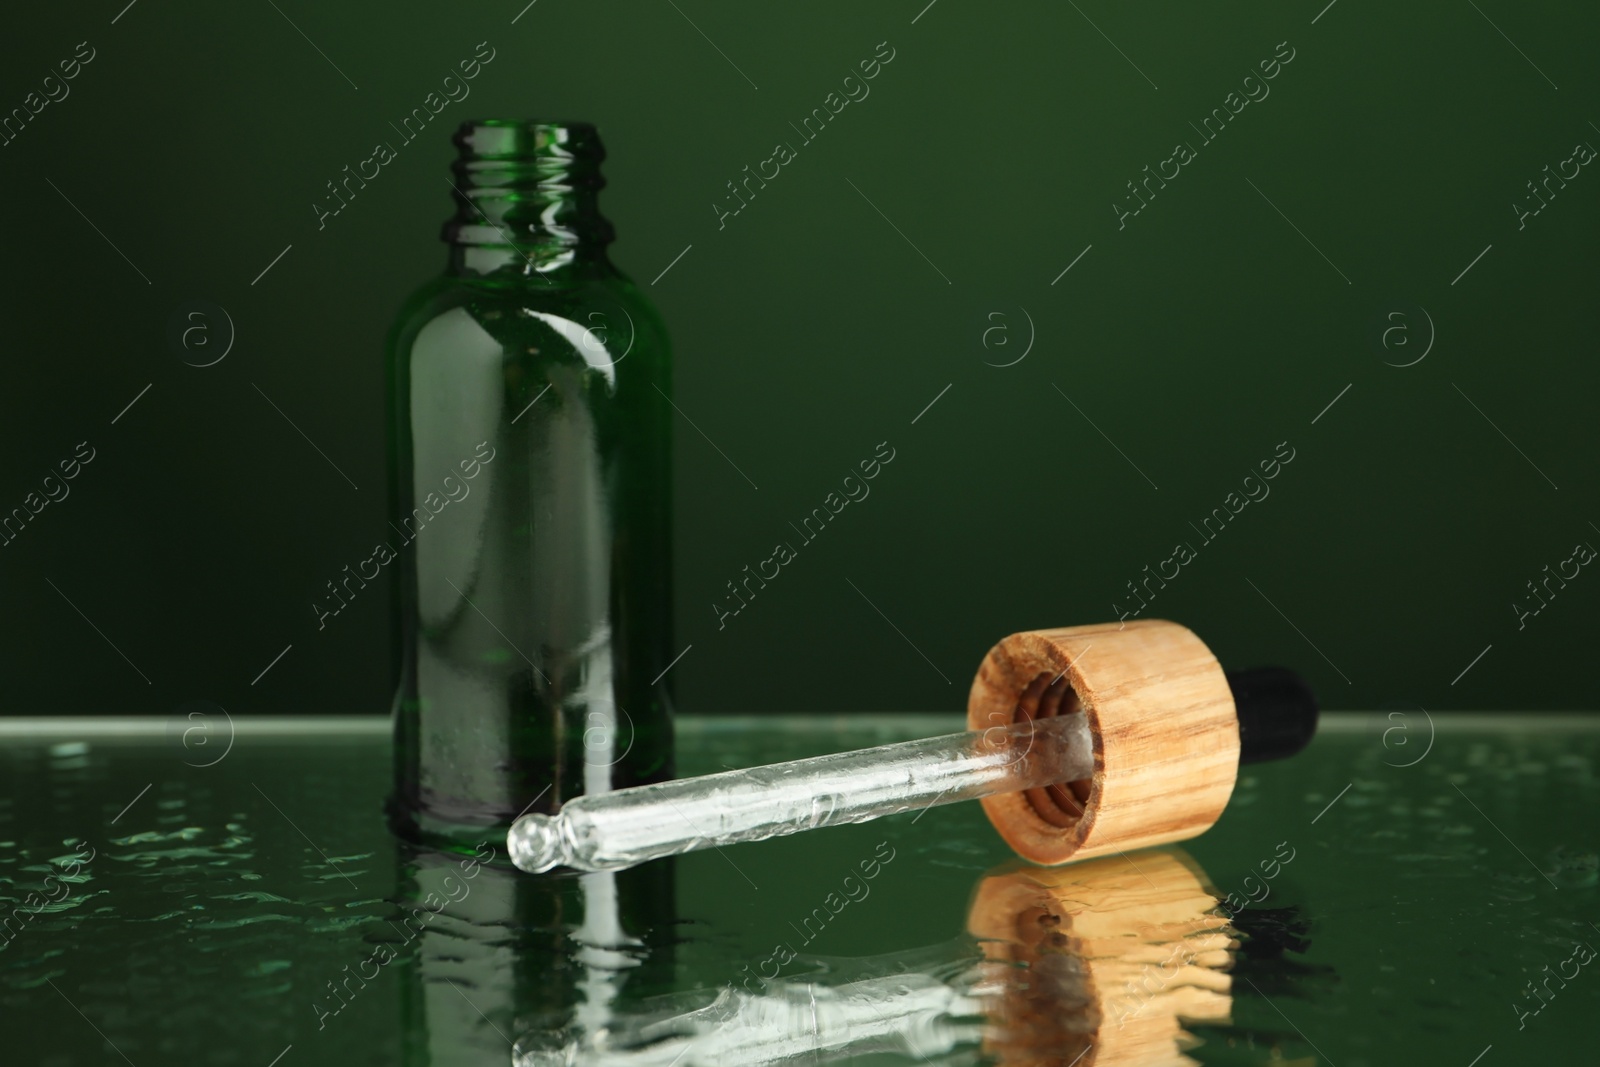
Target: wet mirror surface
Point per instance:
(1395, 895)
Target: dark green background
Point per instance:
(808, 330)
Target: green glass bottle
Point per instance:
(530, 482)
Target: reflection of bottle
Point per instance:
(531, 519)
(488, 954)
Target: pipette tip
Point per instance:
(536, 843)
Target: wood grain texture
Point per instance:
(1102, 962)
(1166, 739)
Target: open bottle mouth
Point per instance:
(527, 184)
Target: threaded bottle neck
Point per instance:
(527, 197)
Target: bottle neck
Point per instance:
(538, 266)
(527, 202)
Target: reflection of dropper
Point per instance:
(916, 1014)
(1114, 955)
(1157, 716)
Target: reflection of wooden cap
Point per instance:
(1166, 739)
(1107, 958)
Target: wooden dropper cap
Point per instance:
(1165, 725)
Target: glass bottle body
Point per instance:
(530, 487)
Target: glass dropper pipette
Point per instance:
(1262, 714)
(610, 831)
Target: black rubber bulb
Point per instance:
(1277, 713)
